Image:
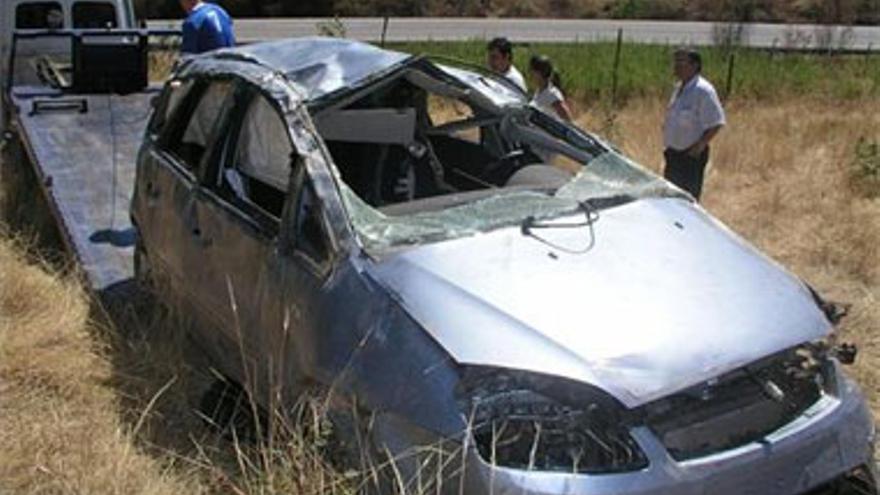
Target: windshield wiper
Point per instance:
(592, 216)
(531, 224)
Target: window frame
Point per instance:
(233, 157)
(161, 119)
(301, 181)
(49, 4)
(175, 128)
(224, 155)
(112, 5)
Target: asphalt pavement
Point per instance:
(782, 36)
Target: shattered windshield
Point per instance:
(611, 176)
(428, 155)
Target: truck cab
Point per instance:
(51, 15)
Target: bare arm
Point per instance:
(701, 145)
(561, 108)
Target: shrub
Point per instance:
(865, 172)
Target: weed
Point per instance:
(866, 167)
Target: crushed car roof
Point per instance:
(320, 66)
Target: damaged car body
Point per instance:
(517, 307)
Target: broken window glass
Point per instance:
(472, 164)
(194, 142)
(260, 172)
(264, 149)
(174, 95)
(610, 176)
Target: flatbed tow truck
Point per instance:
(76, 98)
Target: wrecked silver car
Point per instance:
(514, 305)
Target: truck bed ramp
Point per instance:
(83, 149)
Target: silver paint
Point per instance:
(652, 297)
(666, 298)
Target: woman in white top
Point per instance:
(548, 95)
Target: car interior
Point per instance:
(407, 144)
(414, 143)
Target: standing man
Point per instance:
(207, 27)
(499, 57)
(693, 119)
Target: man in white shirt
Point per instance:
(693, 119)
(499, 57)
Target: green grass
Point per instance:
(587, 69)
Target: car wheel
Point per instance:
(226, 408)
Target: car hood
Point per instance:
(656, 297)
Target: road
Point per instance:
(555, 30)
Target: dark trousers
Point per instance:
(686, 171)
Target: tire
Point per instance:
(226, 408)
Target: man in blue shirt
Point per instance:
(207, 27)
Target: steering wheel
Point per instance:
(394, 180)
(507, 165)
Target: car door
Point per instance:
(180, 133)
(239, 211)
(309, 292)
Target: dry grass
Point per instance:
(60, 428)
(92, 407)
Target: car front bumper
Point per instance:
(830, 440)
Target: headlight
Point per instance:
(531, 422)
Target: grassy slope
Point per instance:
(89, 409)
(60, 425)
(92, 406)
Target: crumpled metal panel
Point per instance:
(498, 93)
(654, 298)
(814, 451)
(319, 65)
(270, 82)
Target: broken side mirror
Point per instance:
(846, 353)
